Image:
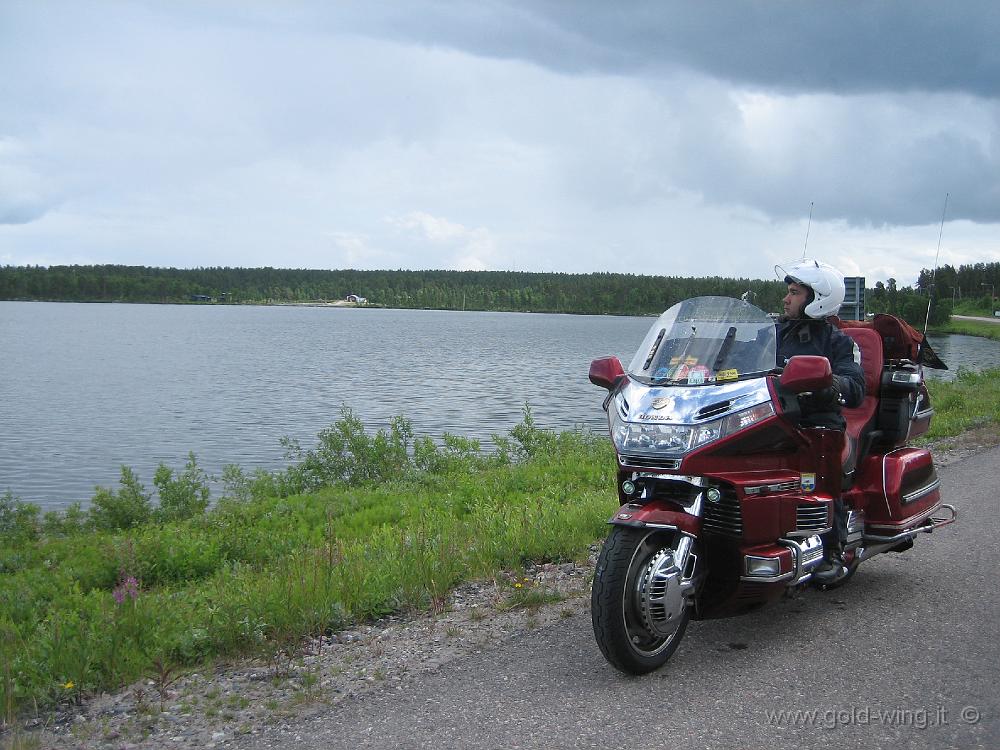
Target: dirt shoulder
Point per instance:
(218, 707)
(950, 450)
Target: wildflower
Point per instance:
(127, 588)
(517, 585)
(69, 685)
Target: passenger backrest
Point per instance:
(870, 344)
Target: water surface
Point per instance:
(85, 388)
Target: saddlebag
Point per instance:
(909, 494)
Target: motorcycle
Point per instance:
(724, 494)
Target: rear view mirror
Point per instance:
(606, 372)
(806, 373)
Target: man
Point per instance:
(815, 292)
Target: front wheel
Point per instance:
(641, 599)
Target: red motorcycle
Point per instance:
(724, 495)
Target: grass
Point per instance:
(975, 306)
(970, 328)
(971, 400)
(86, 608)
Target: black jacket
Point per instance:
(807, 336)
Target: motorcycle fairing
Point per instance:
(659, 427)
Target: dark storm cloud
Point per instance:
(852, 46)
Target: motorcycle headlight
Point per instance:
(654, 437)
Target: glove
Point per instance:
(838, 388)
(827, 398)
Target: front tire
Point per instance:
(641, 599)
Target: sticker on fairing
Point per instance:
(808, 482)
(661, 373)
(724, 375)
(698, 375)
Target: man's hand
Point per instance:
(828, 398)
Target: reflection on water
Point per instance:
(87, 388)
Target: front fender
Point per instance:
(657, 514)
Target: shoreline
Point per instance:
(953, 328)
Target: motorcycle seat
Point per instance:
(861, 418)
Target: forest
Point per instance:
(595, 293)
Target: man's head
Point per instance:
(815, 290)
(797, 298)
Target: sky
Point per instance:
(647, 137)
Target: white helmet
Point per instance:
(826, 282)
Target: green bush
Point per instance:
(70, 522)
(184, 496)
(346, 453)
(18, 520)
(130, 506)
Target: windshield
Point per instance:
(706, 340)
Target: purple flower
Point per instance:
(126, 588)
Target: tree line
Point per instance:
(597, 293)
(973, 281)
(594, 293)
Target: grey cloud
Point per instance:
(850, 46)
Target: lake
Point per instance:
(85, 388)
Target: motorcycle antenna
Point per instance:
(808, 227)
(930, 291)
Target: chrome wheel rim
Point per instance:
(656, 597)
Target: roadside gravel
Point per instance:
(216, 708)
